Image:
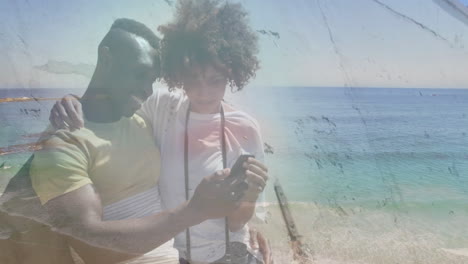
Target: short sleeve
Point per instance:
(148, 108)
(152, 112)
(159, 110)
(61, 166)
(258, 143)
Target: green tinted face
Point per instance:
(133, 77)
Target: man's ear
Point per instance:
(105, 58)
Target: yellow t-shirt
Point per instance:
(120, 159)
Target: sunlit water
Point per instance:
(379, 175)
(373, 175)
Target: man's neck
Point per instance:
(97, 106)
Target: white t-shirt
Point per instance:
(166, 111)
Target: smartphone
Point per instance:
(238, 171)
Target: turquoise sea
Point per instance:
(394, 147)
(374, 175)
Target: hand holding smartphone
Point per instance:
(237, 176)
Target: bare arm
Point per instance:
(78, 214)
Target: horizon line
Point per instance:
(262, 86)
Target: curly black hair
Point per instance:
(209, 32)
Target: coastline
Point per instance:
(398, 197)
(26, 99)
(365, 237)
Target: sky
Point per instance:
(359, 43)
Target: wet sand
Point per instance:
(361, 237)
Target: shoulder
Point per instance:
(61, 150)
(162, 102)
(163, 95)
(65, 145)
(241, 118)
(61, 164)
(245, 128)
(64, 136)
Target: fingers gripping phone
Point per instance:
(237, 175)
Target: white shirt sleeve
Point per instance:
(155, 110)
(148, 108)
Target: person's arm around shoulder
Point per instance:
(67, 112)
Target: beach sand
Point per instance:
(457, 251)
(355, 235)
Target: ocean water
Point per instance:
(373, 175)
(20, 122)
(362, 145)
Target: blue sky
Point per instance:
(360, 43)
